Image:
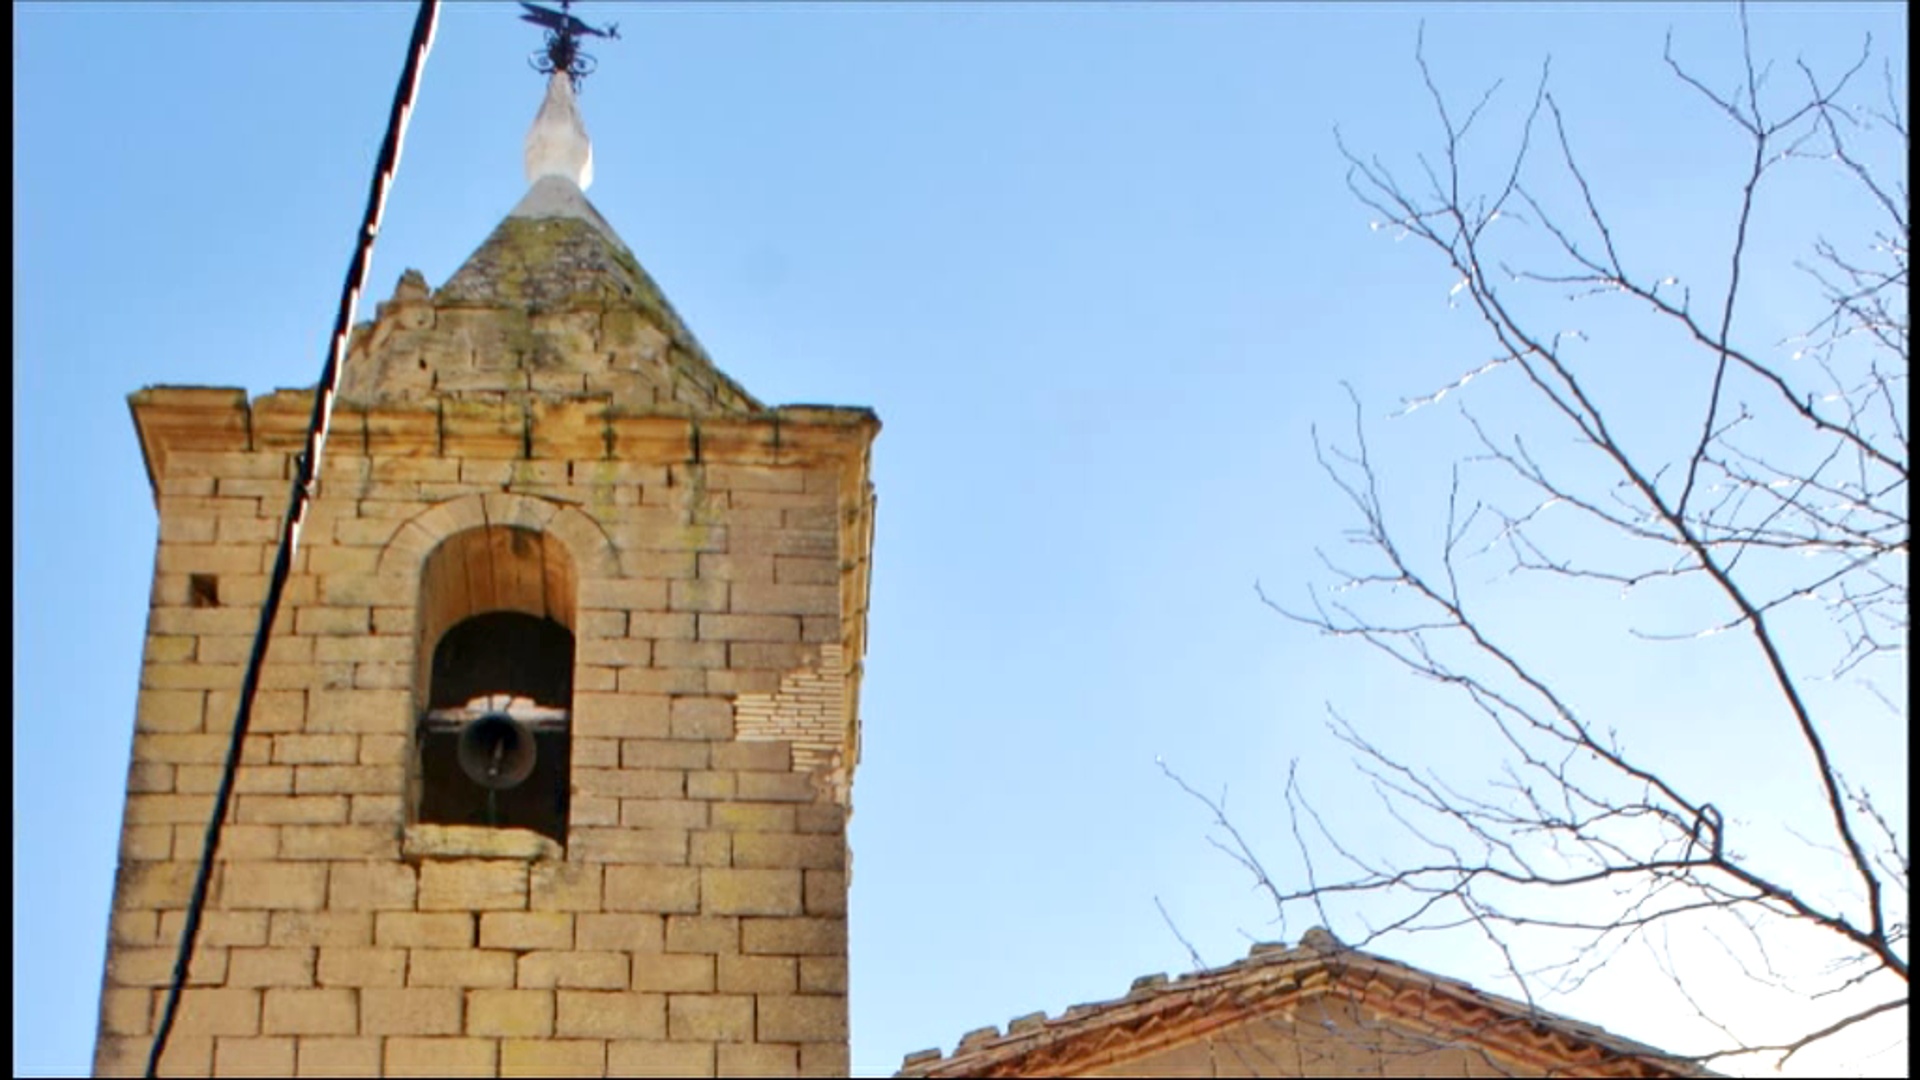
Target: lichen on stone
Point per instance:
(547, 296)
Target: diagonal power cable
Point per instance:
(306, 469)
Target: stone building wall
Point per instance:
(695, 922)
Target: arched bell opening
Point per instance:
(492, 747)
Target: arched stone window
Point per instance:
(496, 654)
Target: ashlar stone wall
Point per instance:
(693, 925)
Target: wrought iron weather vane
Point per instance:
(564, 32)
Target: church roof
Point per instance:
(1280, 995)
(552, 304)
(576, 251)
(554, 252)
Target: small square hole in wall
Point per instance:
(203, 590)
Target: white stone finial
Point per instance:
(557, 143)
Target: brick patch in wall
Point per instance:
(809, 710)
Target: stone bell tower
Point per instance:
(550, 769)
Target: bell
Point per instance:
(496, 751)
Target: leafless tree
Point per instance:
(1778, 516)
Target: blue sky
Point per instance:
(1096, 268)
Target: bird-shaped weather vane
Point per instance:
(564, 32)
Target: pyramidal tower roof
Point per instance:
(552, 305)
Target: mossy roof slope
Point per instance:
(555, 252)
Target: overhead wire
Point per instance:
(306, 470)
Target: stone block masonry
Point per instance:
(712, 571)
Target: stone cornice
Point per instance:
(220, 419)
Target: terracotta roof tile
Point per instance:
(1157, 1014)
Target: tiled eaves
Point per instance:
(1158, 1014)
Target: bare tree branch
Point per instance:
(1781, 523)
